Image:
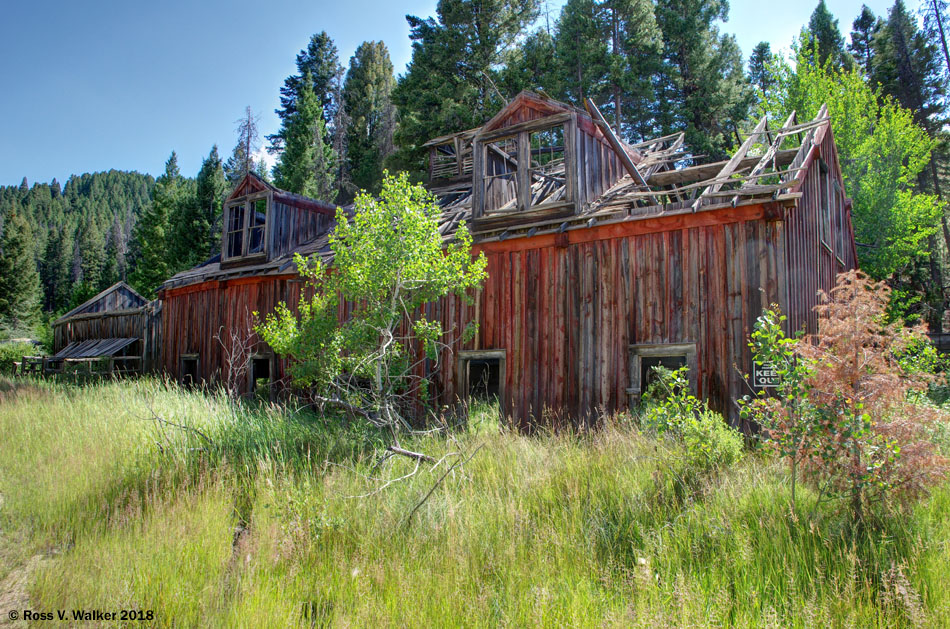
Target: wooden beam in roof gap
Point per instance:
(730, 166)
(768, 156)
(615, 144)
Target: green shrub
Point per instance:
(14, 352)
(672, 411)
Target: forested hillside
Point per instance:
(654, 67)
(80, 231)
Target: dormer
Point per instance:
(261, 222)
(246, 214)
(539, 159)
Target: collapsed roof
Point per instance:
(659, 176)
(574, 187)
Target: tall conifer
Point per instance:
(19, 280)
(367, 98)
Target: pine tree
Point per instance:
(367, 100)
(635, 46)
(197, 226)
(908, 67)
(451, 84)
(320, 59)
(582, 51)
(701, 86)
(241, 161)
(24, 186)
(305, 166)
(57, 260)
(863, 30)
(151, 237)
(759, 60)
(91, 250)
(532, 65)
(823, 30)
(935, 27)
(19, 280)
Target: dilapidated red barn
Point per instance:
(604, 259)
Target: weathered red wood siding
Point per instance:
(567, 309)
(294, 226)
(196, 316)
(812, 264)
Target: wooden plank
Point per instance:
(730, 166)
(616, 145)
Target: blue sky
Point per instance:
(95, 85)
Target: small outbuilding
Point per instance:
(116, 332)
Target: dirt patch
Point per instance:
(13, 591)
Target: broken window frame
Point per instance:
(196, 379)
(464, 359)
(522, 133)
(659, 350)
(248, 230)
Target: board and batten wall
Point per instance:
(566, 309)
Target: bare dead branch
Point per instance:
(161, 421)
(432, 489)
(411, 454)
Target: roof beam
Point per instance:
(730, 166)
(769, 154)
(614, 142)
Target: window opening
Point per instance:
(643, 358)
(501, 175)
(482, 374)
(648, 374)
(256, 226)
(547, 165)
(235, 241)
(261, 378)
(189, 371)
(484, 378)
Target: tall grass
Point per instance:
(264, 526)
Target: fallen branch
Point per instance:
(389, 482)
(411, 454)
(373, 418)
(439, 482)
(161, 420)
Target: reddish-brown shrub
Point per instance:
(849, 413)
(874, 440)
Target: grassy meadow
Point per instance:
(275, 517)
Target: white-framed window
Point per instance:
(245, 227)
(644, 357)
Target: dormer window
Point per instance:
(524, 168)
(245, 223)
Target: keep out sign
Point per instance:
(765, 375)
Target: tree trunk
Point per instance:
(943, 39)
